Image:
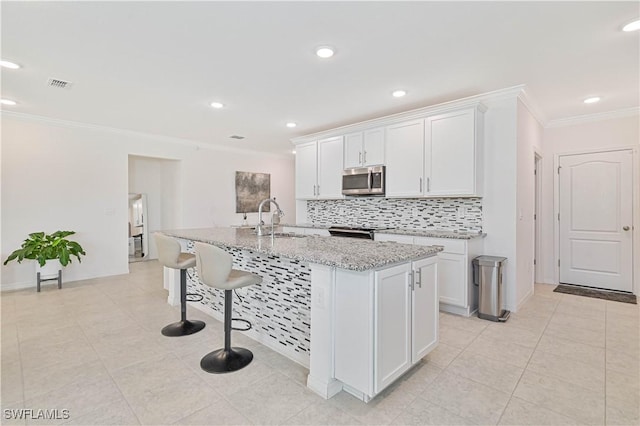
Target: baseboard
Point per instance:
(22, 285)
(521, 302)
(456, 310)
(325, 390)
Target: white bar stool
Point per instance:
(170, 255)
(215, 270)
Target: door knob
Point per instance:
(625, 228)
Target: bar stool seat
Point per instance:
(215, 269)
(171, 256)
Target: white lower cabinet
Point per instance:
(457, 293)
(385, 322)
(424, 329)
(392, 335)
(453, 276)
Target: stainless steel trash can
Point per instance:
(487, 275)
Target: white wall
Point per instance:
(499, 201)
(58, 175)
(529, 143)
(572, 138)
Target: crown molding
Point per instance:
(590, 118)
(468, 102)
(532, 106)
(196, 145)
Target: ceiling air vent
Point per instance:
(60, 84)
(236, 137)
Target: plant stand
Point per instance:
(58, 278)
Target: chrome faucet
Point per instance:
(260, 227)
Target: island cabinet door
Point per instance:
(392, 324)
(424, 310)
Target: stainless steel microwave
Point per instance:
(363, 181)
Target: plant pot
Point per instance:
(49, 270)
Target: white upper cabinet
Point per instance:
(437, 155)
(373, 148)
(306, 170)
(319, 169)
(452, 153)
(364, 148)
(330, 168)
(353, 149)
(404, 154)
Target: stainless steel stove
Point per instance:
(354, 232)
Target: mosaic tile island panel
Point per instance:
(279, 308)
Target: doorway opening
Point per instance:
(154, 194)
(138, 230)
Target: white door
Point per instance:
(424, 310)
(596, 247)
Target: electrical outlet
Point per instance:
(462, 212)
(319, 297)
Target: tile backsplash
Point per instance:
(454, 214)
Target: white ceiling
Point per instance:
(155, 67)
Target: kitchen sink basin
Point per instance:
(287, 235)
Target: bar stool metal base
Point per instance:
(226, 360)
(183, 328)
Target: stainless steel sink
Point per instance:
(286, 235)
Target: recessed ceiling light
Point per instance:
(9, 64)
(632, 26)
(291, 124)
(399, 93)
(592, 100)
(217, 105)
(325, 52)
(7, 102)
(293, 152)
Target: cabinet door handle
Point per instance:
(314, 190)
(411, 276)
(625, 228)
(420, 184)
(365, 157)
(360, 157)
(419, 278)
(428, 185)
(318, 190)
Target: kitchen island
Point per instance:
(357, 313)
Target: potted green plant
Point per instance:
(48, 247)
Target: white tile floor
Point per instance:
(94, 348)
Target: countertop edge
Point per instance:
(426, 251)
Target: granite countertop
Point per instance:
(344, 253)
(456, 235)
(288, 225)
